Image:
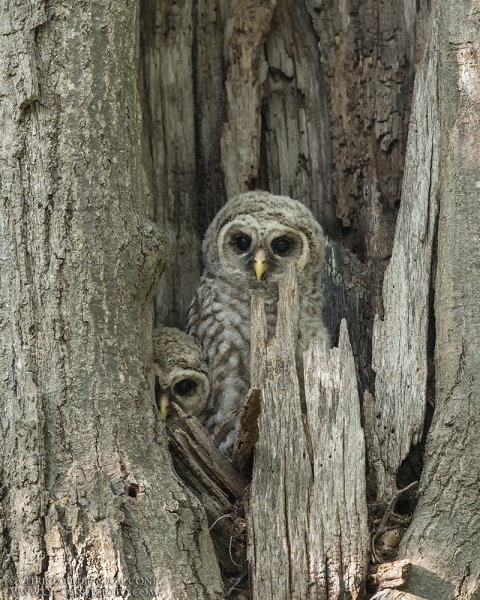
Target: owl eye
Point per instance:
(184, 387)
(281, 246)
(242, 242)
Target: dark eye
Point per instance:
(281, 246)
(242, 242)
(184, 387)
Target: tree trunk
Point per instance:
(444, 537)
(316, 104)
(400, 340)
(88, 488)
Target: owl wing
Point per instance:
(214, 320)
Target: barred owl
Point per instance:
(183, 375)
(245, 251)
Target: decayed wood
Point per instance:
(368, 59)
(247, 70)
(346, 285)
(297, 159)
(167, 84)
(393, 574)
(305, 516)
(184, 106)
(215, 467)
(212, 478)
(338, 531)
(279, 501)
(247, 435)
(400, 339)
(403, 579)
(395, 595)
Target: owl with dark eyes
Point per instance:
(246, 250)
(183, 375)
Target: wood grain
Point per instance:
(307, 527)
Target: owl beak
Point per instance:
(164, 403)
(260, 263)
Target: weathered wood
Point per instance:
(247, 435)
(189, 434)
(393, 574)
(367, 51)
(400, 338)
(395, 595)
(296, 158)
(346, 286)
(247, 70)
(170, 148)
(444, 536)
(307, 524)
(212, 478)
(279, 505)
(258, 343)
(402, 579)
(338, 532)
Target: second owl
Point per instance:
(245, 251)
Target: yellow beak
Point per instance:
(260, 263)
(164, 403)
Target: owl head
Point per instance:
(182, 374)
(255, 235)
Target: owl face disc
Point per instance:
(181, 372)
(258, 227)
(250, 240)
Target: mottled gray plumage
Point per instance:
(219, 316)
(183, 375)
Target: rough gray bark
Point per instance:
(307, 516)
(445, 533)
(87, 485)
(399, 345)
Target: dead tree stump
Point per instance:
(307, 523)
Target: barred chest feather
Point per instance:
(219, 318)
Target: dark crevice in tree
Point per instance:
(412, 466)
(146, 22)
(262, 182)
